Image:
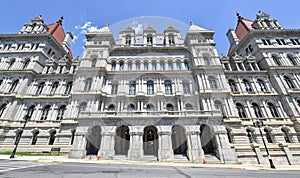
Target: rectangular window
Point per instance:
(145, 66)
(114, 89)
(153, 66)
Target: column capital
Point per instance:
(164, 132)
(136, 133)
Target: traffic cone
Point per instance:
(90, 158)
(204, 161)
(98, 158)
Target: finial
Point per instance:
(107, 24)
(191, 23)
(259, 11)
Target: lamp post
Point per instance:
(259, 124)
(26, 117)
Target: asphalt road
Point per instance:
(24, 169)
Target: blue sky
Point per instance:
(217, 15)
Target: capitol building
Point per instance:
(153, 95)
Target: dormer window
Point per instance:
(171, 39)
(128, 40)
(149, 40)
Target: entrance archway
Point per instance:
(207, 136)
(179, 145)
(150, 139)
(93, 141)
(122, 140)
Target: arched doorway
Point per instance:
(122, 140)
(150, 141)
(93, 141)
(179, 145)
(207, 136)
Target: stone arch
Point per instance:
(179, 140)
(122, 140)
(207, 139)
(93, 138)
(150, 140)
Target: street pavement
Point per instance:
(94, 160)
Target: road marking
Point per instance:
(14, 165)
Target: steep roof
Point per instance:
(243, 26)
(57, 31)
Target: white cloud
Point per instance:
(92, 29)
(84, 26)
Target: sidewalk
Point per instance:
(93, 160)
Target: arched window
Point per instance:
(178, 65)
(68, 87)
(276, 60)
(26, 63)
(206, 61)
(153, 65)
(52, 137)
(30, 111)
(131, 108)
(241, 110)
(132, 87)
(54, 88)
(170, 66)
(11, 63)
(146, 67)
(45, 112)
(232, 85)
(212, 82)
(169, 107)
(298, 102)
(149, 40)
(40, 88)
(150, 87)
(250, 135)
(257, 110)
(171, 39)
(186, 87)
(113, 66)
(130, 66)
(168, 87)
(137, 66)
(292, 59)
(88, 84)
(247, 85)
(186, 65)
(111, 107)
(2, 109)
(229, 135)
(188, 107)
(273, 109)
(262, 85)
(61, 112)
(162, 65)
(268, 135)
(289, 82)
(82, 107)
(34, 137)
(94, 61)
(150, 108)
(286, 135)
(13, 86)
(128, 40)
(114, 89)
(121, 68)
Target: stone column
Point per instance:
(136, 151)
(225, 152)
(165, 151)
(257, 151)
(289, 156)
(78, 150)
(194, 151)
(107, 147)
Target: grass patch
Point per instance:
(27, 154)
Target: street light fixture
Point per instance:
(26, 117)
(260, 123)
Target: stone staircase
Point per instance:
(212, 159)
(181, 159)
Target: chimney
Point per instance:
(233, 39)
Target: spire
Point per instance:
(60, 20)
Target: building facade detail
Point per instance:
(153, 95)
